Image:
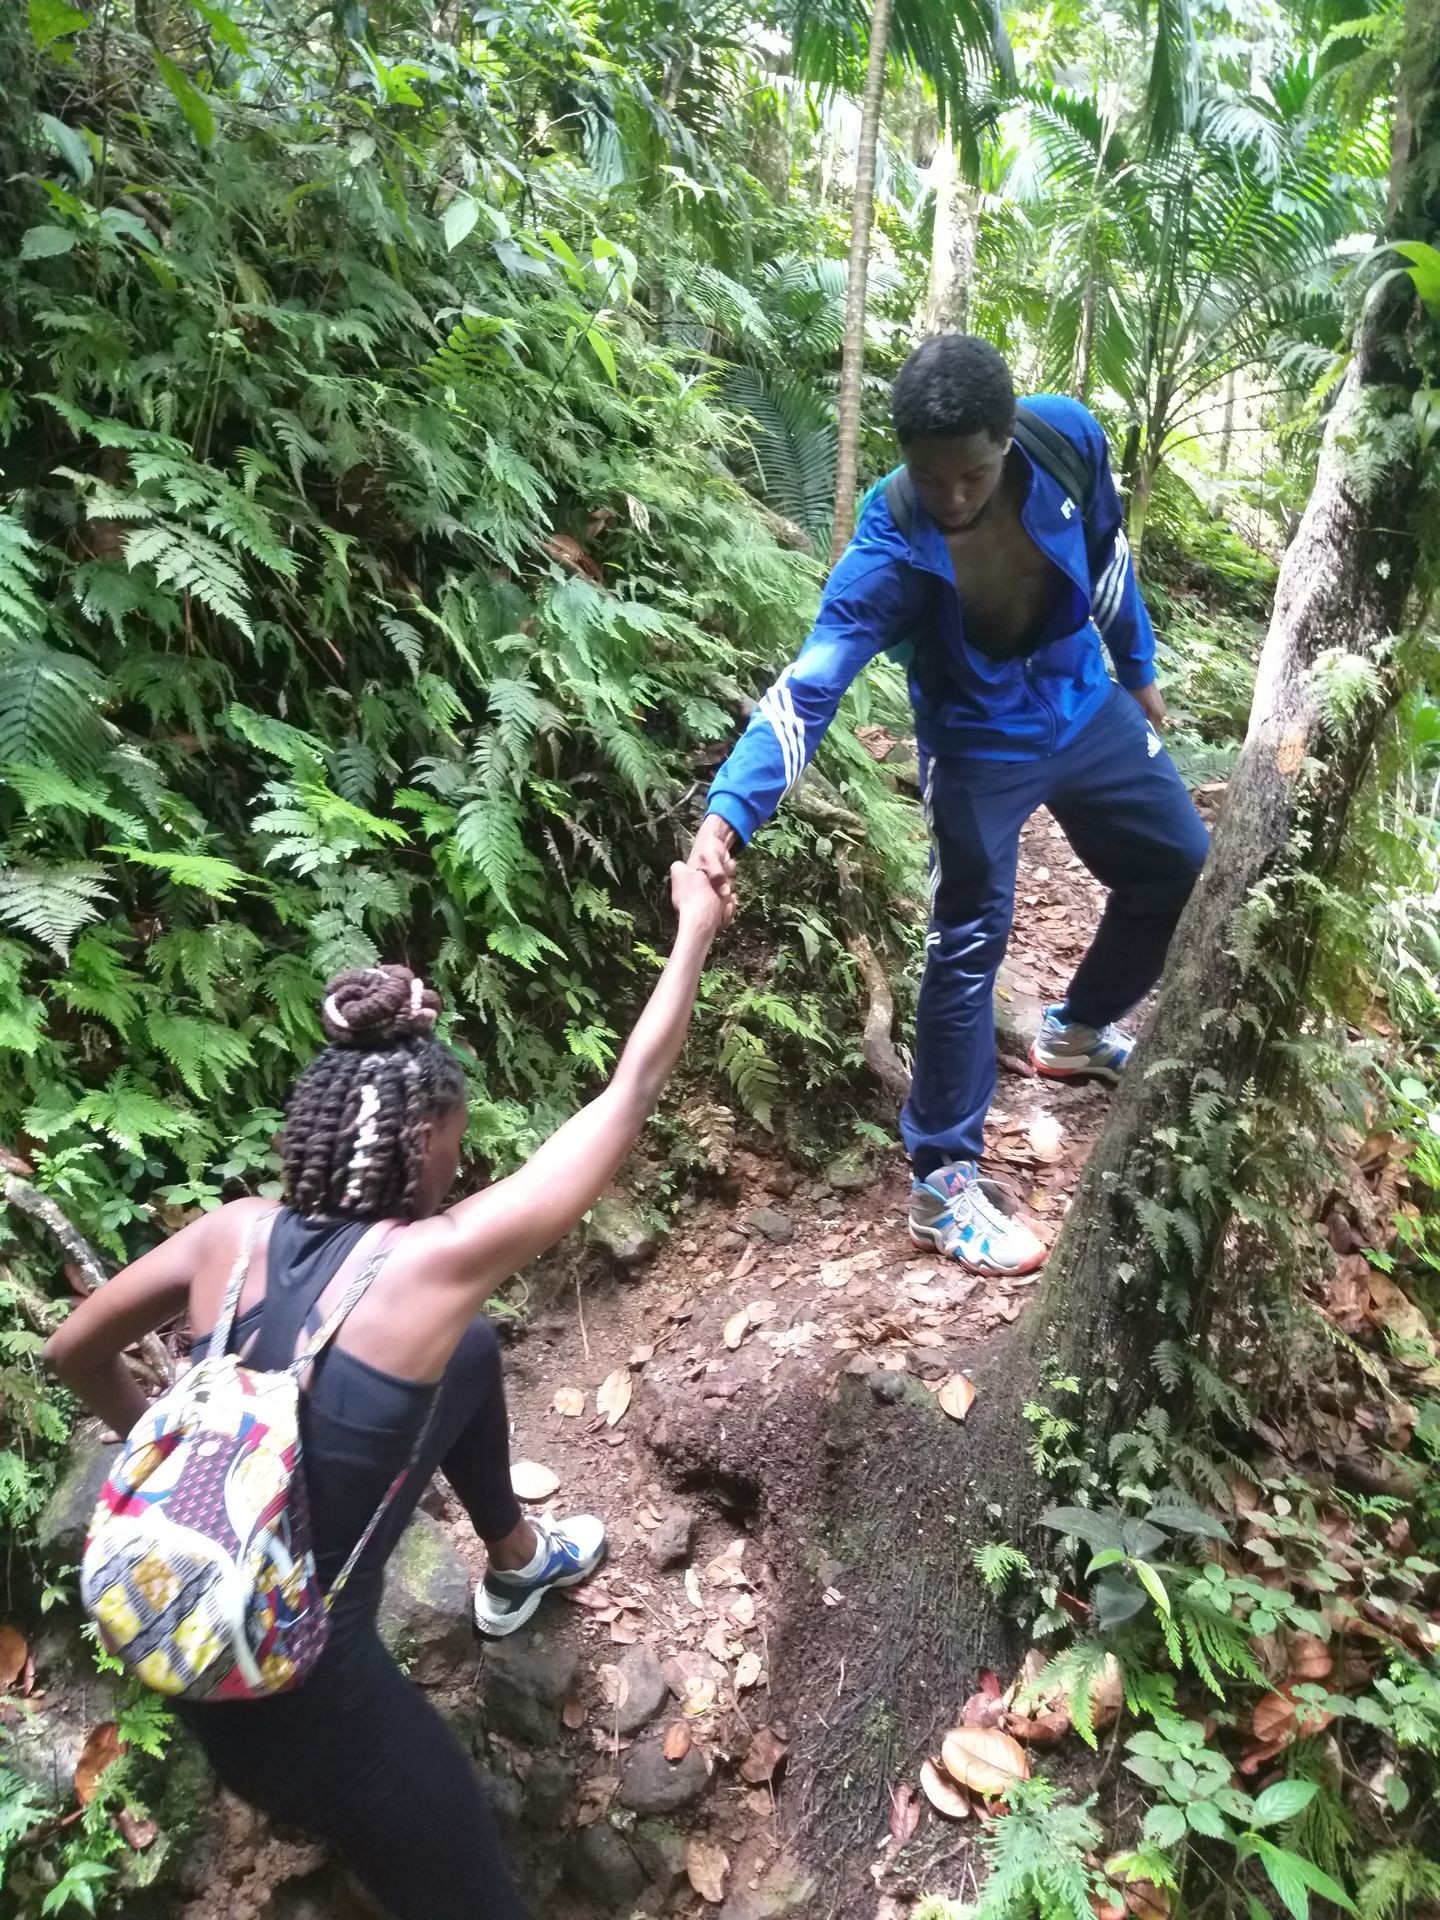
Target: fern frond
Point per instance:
(52, 903)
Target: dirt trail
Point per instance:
(768, 1294)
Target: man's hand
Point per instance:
(1151, 703)
(713, 854)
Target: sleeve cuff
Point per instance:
(737, 813)
(1132, 675)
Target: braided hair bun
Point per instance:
(373, 1007)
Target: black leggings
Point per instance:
(357, 1756)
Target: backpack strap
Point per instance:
(225, 1319)
(900, 499)
(1057, 453)
(351, 1297)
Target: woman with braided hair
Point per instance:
(410, 1385)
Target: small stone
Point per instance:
(652, 1784)
(599, 1864)
(782, 1181)
(729, 1242)
(425, 1613)
(526, 1682)
(622, 1233)
(776, 1227)
(887, 1385)
(645, 1688)
(548, 1790)
(670, 1543)
(660, 1848)
(848, 1173)
(65, 1519)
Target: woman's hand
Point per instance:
(713, 853)
(699, 901)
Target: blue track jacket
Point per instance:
(887, 590)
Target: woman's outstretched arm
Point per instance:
(485, 1239)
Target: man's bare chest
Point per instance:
(1008, 588)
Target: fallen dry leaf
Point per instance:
(624, 1634)
(677, 1741)
(762, 1310)
(1107, 1694)
(570, 1401)
(595, 1797)
(904, 1813)
(136, 1833)
(706, 1865)
(531, 1481)
(13, 1655)
(572, 1714)
(984, 1759)
(1044, 1135)
(1396, 1313)
(613, 1395)
(837, 1273)
(1310, 1658)
(763, 1757)
(943, 1794)
(736, 1327)
(748, 1672)
(642, 1356)
(101, 1750)
(614, 1687)
(957, 1395)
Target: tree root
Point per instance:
(882, 1056)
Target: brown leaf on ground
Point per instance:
(1039, 1729)
(904, 1813)
(532, 1481)
(747, 1263)
(1309, 1658)
(763, 1757)
(595, 1797)
(624, 1634)
(1347, 1293)
(1107, 1694)
(613, 1395)
(762, 1310)
(569, 553)
(136, 1833)
(101, 1750)
(942, 1793)
(736, 1327)
(1045, 1135)
(13, 1655)
(570, 1402)
(643, 1355)
(748, 1672)
(984, 1759)
(1394, 1312)
(677, 1741)
(956, 1396)
(706, 1867)
(572, 1715)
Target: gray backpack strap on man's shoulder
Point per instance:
(1047, 446)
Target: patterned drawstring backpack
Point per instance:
(198, 1568)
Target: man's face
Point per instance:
(955, 479)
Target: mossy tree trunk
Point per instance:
(1138, 1259)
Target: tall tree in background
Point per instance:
(950, 46)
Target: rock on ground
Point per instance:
(670, 1544)
(649, 1783)
(425, 1617)
(619, 1230)
(600, 1864)
(525, 1681)
(645, 1688)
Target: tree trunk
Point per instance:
(852, 356)
(952, 250)
(1085, 357)
(1140, 1256)
(1227, 427)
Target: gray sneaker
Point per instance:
(973, 1221)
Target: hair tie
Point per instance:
(332, 1013)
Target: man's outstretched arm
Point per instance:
(865, 608)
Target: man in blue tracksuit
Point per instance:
(981, 555)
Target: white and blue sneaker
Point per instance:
(568, 1553)
(972, 1221)
(1066, 1050)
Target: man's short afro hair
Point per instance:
(951, 385)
